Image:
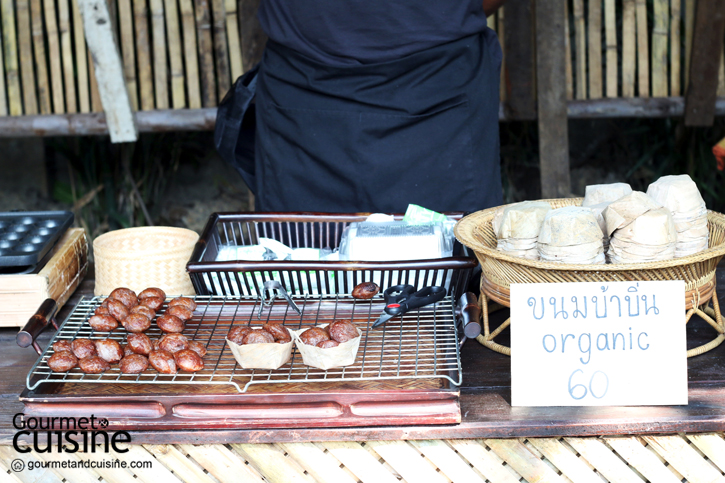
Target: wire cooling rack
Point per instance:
(421, 344)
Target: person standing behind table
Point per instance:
(365, 105)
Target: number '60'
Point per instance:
(582, 389)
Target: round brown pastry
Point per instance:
(109, 350)
(170, 323)
(162, 361)
(134, 364)
(184, 301)
(365, 290)
(126, 296)
(83, 348)
(117, 309)
(103, 323)
(258, 336)
(180, 311)
(173, 343)
(278, 331)
(93, 365)
(62, 361)
(197, 347)
(139, 343)
(188, 361)
(314, 335)
(62, 346)
(237, 334)
(154, 303)
(127, 351)
(326, 344)
(152, 292)
(342, 331)
(136, 323)
(143, 310)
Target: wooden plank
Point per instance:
(594, 56)
(176, 62)
(10, 49)
(84, 95)
(520, 458)
(675, 40)
(363, 465)
(580, 50)
(25, 44)
(678, 453)
(40, 60)
(206, 58)
(234, 40)
(642, 49)
(640, 458)
(95, 95)
(689, 30)
(108, 70)
(190, 59)
(520, 61)
(185, 468)
(111, 475)
(220, 462)
(707, 45)
(56, 69)
(604, 460)
(44, 475)
(253, 37)
(629, 55)
(66, 48)
(85, 475)
(567, 53)
(270, 461)
(659, 48)
(143, 55)
(551, 97)
(321, 466)
(125, 20)
(564, 459)
(221, 52)
(450, 463)
(610, 38)
(487, 462)
(154, 473)
(6, 474)
(158, 35)
(407, 461)
(712, 445)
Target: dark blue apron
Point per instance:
(421, 129)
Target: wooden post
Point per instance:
(521, 58)
(707, 48)
(108, 70)
(551, 96)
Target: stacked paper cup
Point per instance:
(641, 230)
(605, 193)
(680, 195)
(517, 227)
(571, 235)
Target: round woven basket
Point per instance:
(138, 258)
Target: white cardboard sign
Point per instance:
(598, 344)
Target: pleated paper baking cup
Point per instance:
(342, 355)
(261, 356)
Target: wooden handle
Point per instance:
(470, 315)
(37, 323)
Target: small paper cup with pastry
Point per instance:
(261, 355)
(343, 354)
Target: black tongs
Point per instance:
(401, 298)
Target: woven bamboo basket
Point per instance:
(500, 270)
(138, 258)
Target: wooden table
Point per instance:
(533, 442)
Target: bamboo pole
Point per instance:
(10, 47)
(40, 60)
(642, 49)
(190, 58)
(581, 49)
(675, 70)
(176, 61)
(3, 102)
(56, 69)
(221, 52)
(143, 55)
(721, 77)
(158, 35)
(501, 28)
(128, 52)
(595, 49)
(84, 99)
(491, 22)
(629, 57)
(689, 32)
(610, 25)
(659, 48)
(206, 60)
(96, 105)
(25, 42)
(234, 39)
(568, 74)
(66, 46)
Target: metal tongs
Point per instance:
(273, 285)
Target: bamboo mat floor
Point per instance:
(666, 458)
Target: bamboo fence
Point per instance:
(185, 54)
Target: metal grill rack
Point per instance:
(421, 344)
